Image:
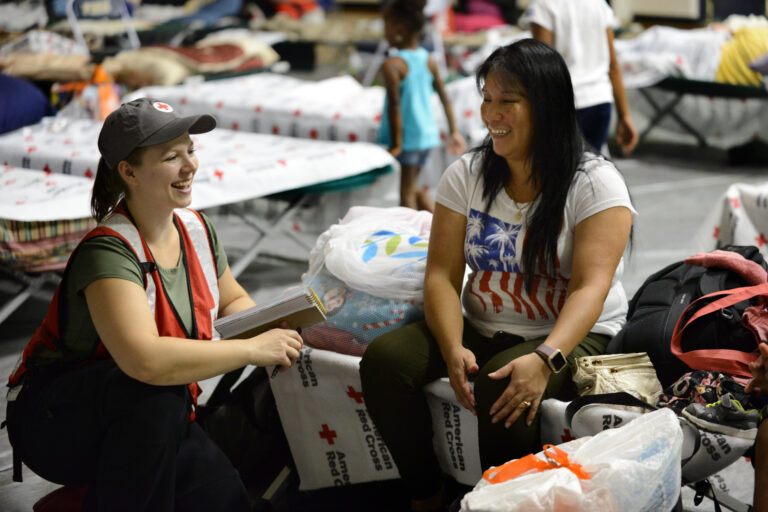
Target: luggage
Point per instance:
(663, 298)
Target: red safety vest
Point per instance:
(201, 275)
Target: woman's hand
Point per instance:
(528, 378)
(759, 371)
(460, 364)
(277, 347)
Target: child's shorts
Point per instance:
(416, 157)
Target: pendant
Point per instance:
(518, 215)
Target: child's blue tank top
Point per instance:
(416, 90)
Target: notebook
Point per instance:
(300, 308)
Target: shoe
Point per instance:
(726, 416)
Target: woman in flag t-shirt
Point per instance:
(542, 225)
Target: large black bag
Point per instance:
(663, 297)
(244, 422)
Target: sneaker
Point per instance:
(726, 416)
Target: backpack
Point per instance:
(660, 301)
(243, 421)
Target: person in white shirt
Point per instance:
(582, 32)
(542, 225)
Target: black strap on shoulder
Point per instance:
(620, 398)
(148, 267)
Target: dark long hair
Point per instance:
(108, 186)
(557, 145)
(408, 12)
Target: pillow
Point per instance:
(21, 103)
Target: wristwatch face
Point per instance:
(555, 359)
(558, 361)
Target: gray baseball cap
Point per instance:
(145, 122)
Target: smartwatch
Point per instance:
(552, 356)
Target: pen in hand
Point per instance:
(276, 369)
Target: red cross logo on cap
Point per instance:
(162, 107)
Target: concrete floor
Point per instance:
(673, 187)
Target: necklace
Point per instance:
(520, 209)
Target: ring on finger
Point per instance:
(525, 403)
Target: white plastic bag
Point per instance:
(379, 251)
(635, 468)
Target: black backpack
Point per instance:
(663, 297)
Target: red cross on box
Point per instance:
(328, 434)
(355, 395)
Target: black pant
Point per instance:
(130, 442)
(594, 122)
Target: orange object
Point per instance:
(109, 99)
(531, 463)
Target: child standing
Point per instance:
(408, 127)
(581, 32)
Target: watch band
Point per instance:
(552, 356)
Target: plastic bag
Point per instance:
(354, 318)
(632, 468)
(379, 251)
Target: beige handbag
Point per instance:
(609, 373)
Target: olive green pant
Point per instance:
(397, 365)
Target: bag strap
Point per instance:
(619, 398)
(733, 362)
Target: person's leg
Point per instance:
(393, 371)
(96, 426)
(499, 444)
(205, 477)
(150, 452)
(409, 190)
(760, 499)
(594, 122)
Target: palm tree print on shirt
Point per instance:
(492, 252)
(491, 243)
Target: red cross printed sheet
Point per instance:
(333, 439)
(337, 108)
(234, 166)
(740, 217)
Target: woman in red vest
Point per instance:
(105, 391)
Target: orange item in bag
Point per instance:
(531, 463)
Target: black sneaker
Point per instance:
(726, 416)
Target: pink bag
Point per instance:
(732, 362)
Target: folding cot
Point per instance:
(664, 97)
(670, 75)
(235, 167)
(334, 442)
(337, 108)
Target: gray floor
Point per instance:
(673, 187)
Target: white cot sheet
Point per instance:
(32, 195)
(333, 439)
(234, 166)
(337, 108)
(661, 52)
(740, 217)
